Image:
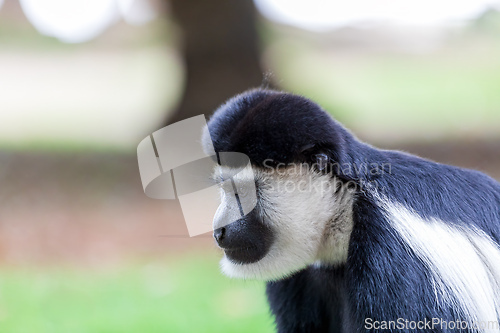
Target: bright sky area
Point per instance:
(80, 20)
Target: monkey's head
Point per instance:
(302, 213)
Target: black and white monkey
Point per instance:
(351, 238)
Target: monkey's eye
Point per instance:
(322, 161)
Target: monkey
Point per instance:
(352, 238)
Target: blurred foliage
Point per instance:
(129, 78)
(488, 22)
(450, 92)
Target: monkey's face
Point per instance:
(287, 230)
(289, 141)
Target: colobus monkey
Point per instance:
(351, 238)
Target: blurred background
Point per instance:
(82, 249)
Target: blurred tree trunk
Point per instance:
(220, 50)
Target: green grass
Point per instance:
(188, 295)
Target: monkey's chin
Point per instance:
(268, 268)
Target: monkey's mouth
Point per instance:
(244, 255)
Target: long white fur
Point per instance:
(465, 262)
(299, 204)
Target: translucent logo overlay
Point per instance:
(175, 163)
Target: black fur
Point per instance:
(381, 279)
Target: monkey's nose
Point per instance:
(219, 235)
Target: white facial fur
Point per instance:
(311, 221)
